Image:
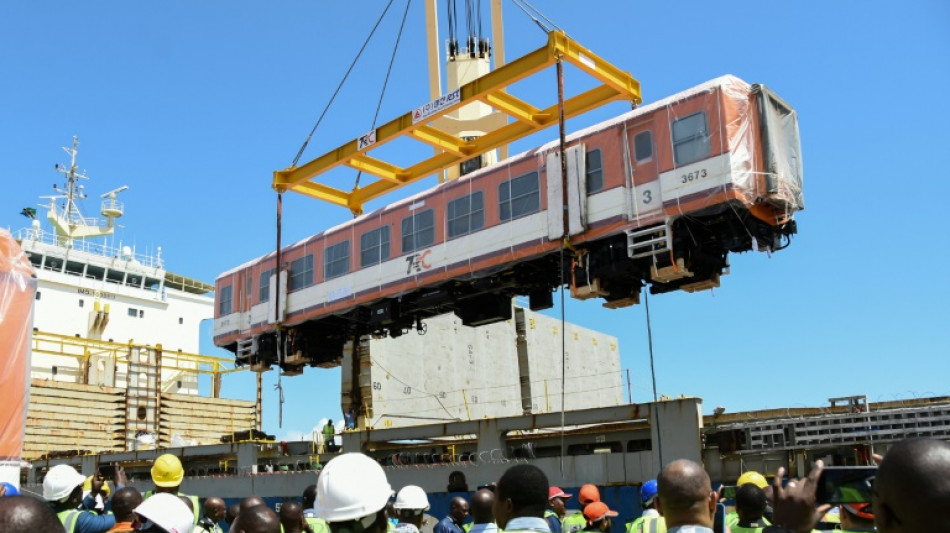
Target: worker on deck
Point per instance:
(520, 500)
(62, 488)
(458, 511)
(685, 496)
(483, 501)
(352, 492)
(124, 502)
(167, 474)
(598, 517)
(214, 512)
(650, 520)
(750, 507)
(757, 479)
(329, 432)
(410, 507)
(556, 510)
(164, 513)
(308, 501)
(577, 521)
(291, 518)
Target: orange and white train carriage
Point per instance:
(656, 197)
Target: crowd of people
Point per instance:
(911, 492)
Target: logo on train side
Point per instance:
(417, 262)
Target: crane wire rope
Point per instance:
(531, 14)
(389, 70)
(656, 417)
(340, 86)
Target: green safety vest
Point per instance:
(318, 525)
(196, 507)
(69, 517)
(647, 524)
(549, 513)
(574, 523)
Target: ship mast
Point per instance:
(69, 221)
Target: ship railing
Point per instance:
(88, 246)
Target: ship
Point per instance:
(115, 335)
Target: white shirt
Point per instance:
(490, 527)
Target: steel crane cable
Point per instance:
(340, 86)
(389, 70)
(526, 7)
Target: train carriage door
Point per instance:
(642, 162)
(576, 192)
(272, 294)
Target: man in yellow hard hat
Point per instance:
(754, 478)
(167, 474)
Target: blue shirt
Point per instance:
(89, 522)
(447, 525)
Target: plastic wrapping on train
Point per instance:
(17, 291)
(781, 148)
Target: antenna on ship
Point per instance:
(69, 221)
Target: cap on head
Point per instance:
(597, 511)
(351, 486)
(556, 492)
(60, 482)
(168, 512)
(753, 477)
(588, 494)
(167, 471)
(413, 498)
(648, 492)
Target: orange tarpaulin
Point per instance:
(17, 290)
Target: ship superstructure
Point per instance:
(92, 289)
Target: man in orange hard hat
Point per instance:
(577, 521)
(167, 474)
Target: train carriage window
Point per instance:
(374, 246)
(250, 286)
(265, 285)
(643, 146)
(466, 214)
(224, 301)
(690, 138)
(519, 196)
(301, 273)
(418, 230)
(336, 260)
(594, 168)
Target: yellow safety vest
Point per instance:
(318, 525)
(574, 523)
(69, 517)
(647, 524)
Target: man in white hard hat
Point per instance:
(62, 488)
(352, 493)
(164, 513)
(410, 505)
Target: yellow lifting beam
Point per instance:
(489, 89)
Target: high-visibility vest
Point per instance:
(574, 523)
(739, 529)
(195, 506)
(647, 524)
(69, 517)
(318, 525)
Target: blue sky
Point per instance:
(195, 104)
